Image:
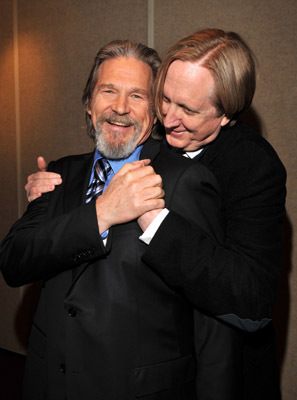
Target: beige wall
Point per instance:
(46, 50)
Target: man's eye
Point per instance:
(136, 96)
(166, 100)
(189, 112)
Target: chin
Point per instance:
(175, 142)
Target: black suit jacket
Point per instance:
(237, 281)
(107, 326)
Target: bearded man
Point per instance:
(107, 326)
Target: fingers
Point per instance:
(45, 176)
(41, 182)
(153, 192)
(41, 163)
(137, 178)
(140, 163)
(134, 190)
(150, 198)
(133, 166)
(144, 179)
(130, 174)
(36, 192)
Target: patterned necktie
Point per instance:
(101, 171)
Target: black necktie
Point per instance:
(101, 171)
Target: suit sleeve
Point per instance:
(235, 281)
(40, 245)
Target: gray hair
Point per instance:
(115, 49)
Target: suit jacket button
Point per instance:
(63, 368)
(72, 312)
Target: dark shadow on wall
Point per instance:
(12, 367)
(282, 309)
(26, 310)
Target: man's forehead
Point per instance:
(189, 71)
(125, 71)
(189, 80)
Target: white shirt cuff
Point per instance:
(149, 233)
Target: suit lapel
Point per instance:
(170, 165)
(77, 182)
(151, 149)
(216, 148)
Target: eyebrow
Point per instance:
(111, 86)
(183, 105)
(195, 111)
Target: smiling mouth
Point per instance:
(174, 132)
(120, 124)
(117, 123)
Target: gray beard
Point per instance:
(116, 151)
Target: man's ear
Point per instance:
(225, 120)
(88, 106)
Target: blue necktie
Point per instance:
(101, 171)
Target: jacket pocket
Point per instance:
(163, 376)
(37, 341)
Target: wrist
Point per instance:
(103, 222)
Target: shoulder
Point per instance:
(239, 149)
(69, 162)
(245, 165)
(240, 139)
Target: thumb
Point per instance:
(41, 163)
(140, 163)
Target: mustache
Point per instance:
(113, 118)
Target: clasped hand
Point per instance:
(133, 191)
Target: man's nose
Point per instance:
(121, 105)
(171, 116)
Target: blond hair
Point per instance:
(229, 60)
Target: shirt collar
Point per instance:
(192, 154)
